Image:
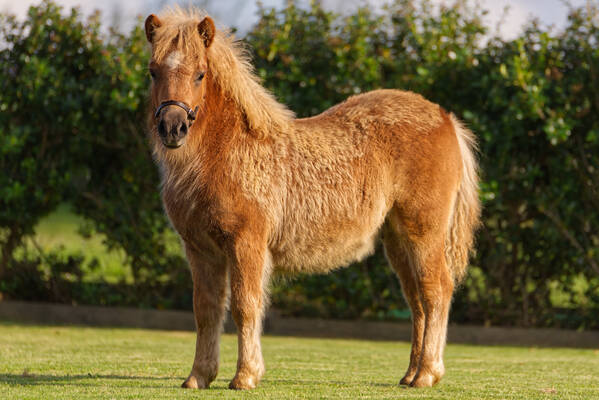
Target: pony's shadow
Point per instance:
(95, 380)
(328, 383)
(26, 379)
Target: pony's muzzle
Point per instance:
(173, 125)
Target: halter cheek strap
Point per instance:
(191, 114)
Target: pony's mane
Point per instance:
(229, 63)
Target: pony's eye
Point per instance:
(153, 74)
(200, 76)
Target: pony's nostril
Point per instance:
(162, 128)
(183, 128)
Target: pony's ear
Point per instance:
(207, 30)
(152, 22)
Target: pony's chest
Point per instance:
(195, 214)
(189, 212)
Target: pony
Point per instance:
(251, 189)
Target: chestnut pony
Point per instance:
(250, 189)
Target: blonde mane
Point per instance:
(229, 63)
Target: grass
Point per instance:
(57, 362)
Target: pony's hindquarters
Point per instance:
(466, 213)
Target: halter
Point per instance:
(191, 114)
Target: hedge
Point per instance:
(72, 130)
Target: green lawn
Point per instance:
(51, 362)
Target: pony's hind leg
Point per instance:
(416, 249)
(398, 256)
(435, 287)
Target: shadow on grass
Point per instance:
(27, 379)
(329, 383)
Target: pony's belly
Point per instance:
(320, 247)
(323, 254)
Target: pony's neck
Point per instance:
(222, 120)
(233, 72)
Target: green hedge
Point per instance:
(72, 118)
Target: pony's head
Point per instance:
(195, 65)
(178, 67)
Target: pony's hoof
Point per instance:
(243, 383)
(424, 380)
(406, 380)
(195, 383)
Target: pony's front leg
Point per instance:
(249, 270)
(209, 276)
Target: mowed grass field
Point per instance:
(58, 362)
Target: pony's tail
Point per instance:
(466, 213)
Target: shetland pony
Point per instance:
(250, 189)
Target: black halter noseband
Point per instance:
(191, 114)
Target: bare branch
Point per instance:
(554, 217)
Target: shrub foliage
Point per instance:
(72, 119)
